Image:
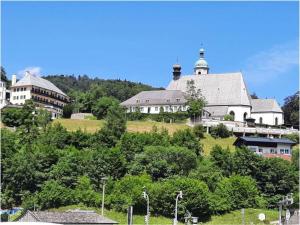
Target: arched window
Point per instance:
(276, 121)
(260, 120)
(245, 116)
(232, 114)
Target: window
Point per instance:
(174, 108)
(260, 120)
(156, 108)
(272, 151)
(137, 101)
(147, 100)
(232, 114)
(167, 108)
(17, 89)
(177, 99)
(142, 109)
(260, 150)
(25, 89)
(253, 149)
(286, 151)
(276, 121)
(281, 151)
(245, 116)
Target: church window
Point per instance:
(245, 116)
(276, 121)
(199, 72)
(260, 120)
(232, 114)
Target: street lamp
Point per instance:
(287, 200)
(176, 204)
(103, 179)
(146, 197)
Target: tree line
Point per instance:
(46, 166)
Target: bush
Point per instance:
(68, 110)
(162, 162)
(100, 109)
(220, 131)
(228, 117)
(12, 117)
(199, 131)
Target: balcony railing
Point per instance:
(46, 102)
(54, 96)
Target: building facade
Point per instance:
(4, 94)
(224, 93)
(268, 147)
(45, 94)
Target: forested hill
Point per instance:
(120, 89)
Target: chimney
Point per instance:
(13, 79)
(176, 71)
(27, 73)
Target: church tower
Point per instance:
(201, 66)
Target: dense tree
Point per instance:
(3, 75)
(162, 162)
(68, 110)
(223, 159)
(199, 131)
(101, 107)
(11, 117)
(220, 131)
(291, 110)
(187, 138)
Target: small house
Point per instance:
(74, 217)
(268, 147)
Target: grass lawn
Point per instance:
(122, 217)
(209, 142)
(251, 217)
(132, 126)
(233, 218)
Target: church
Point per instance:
(225, 94)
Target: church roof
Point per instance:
(31, 79)
(159, 97)
(217, 110)
(265, 105)
(218, 89)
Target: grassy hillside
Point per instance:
(209, 142)
(233, 218)
(132, 126)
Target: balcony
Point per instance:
(49, 95)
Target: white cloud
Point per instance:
(269, 64)
(32, 69)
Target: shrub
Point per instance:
(228, 117)
(68, 110)
(199, 131)
(220, 131)
(12, 117)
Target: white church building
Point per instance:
(224, 93)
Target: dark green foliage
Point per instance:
(128, 192)
(199, 131)
(11, 117)
(101, 107)
(114, 127)
(291, 110)
(187, 138)
(223, 159)
(3, 75)
(293, 137)
(195, 197)
(208, 172)
(53, 195)
(228, 117)
(134, 143)
(162, 162)
(68, 110)
(43, 118)
(220, 131)
(235, 192)
(295, 157)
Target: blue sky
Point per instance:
(140, 41)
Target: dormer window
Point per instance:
(147, 100)
(137, 101)
(177, 99)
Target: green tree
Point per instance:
(102, 105)
(43, 118)
(291, 110)
(187, 138)
(68, 110)
(295, 157)
(199, 131)
(228, 117)
(220, 131)
(222, 158)
(3, 75)
(162, 162)
(11, 117)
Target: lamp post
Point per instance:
(146, 197)
(103, 179)
(176, 204)
(287, 200)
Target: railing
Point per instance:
(46, 102)
(57, 97)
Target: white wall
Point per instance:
(19, 97)
(155, 109)
(239, 112)
(2, 94)
(268, 118)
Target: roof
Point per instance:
(266, 140)
(31, 79)
(73, 217)
(159, 97)
(217, 110)
(265, 105)
(218, 89)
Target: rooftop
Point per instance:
(265, 105)
(266, 140)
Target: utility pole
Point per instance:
(146, 197)
(176, 204)
(103, 179)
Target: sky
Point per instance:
(140, 41)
